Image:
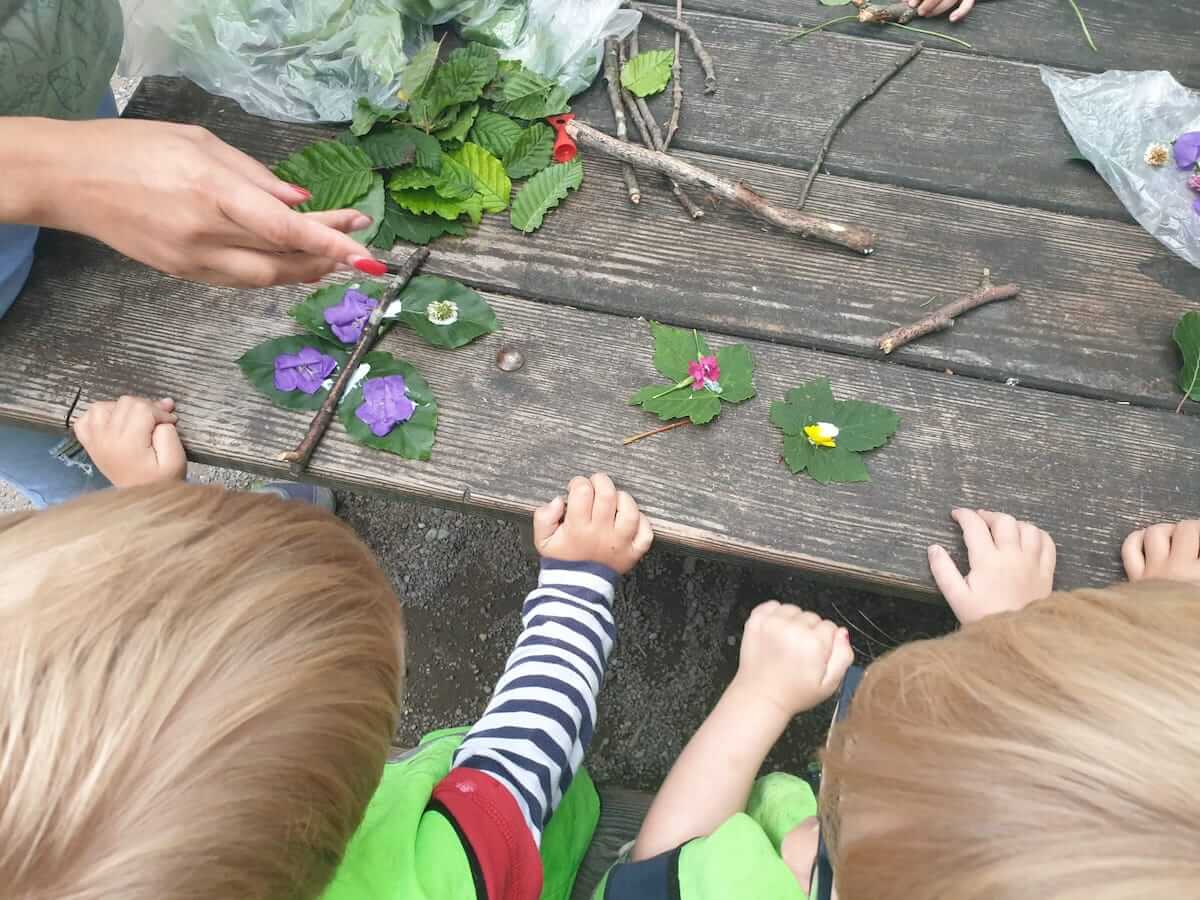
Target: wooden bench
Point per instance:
(1057, 407)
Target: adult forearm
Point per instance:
(32, 163)
(713, 777)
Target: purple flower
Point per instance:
(304, 371)
(348, 318)
(1196, 206)
(387, 404)
(1187, 149)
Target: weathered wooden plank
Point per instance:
(1089, 471)
(951, 123)
(1099, 298)
(1156, 35)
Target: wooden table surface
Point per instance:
(1057, 407)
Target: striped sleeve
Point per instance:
(538, 725)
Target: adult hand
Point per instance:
(178, 199)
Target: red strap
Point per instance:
(488, 816)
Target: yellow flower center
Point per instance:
(822, 434)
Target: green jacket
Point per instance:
(57, 56)
(409, 847)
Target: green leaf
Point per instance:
(371, 205)
(310, 312)
(461, 125)
(543, 192)
(456, 181)
(648, 73)
(861, 426)
(699, 406)
(737, 373)
(527, 95)
(412, 439)
(416, 73)
(460, 79)
(390, 147)
(412, 178)
(336, 174)
(491, 181)
(675, 349)
(475, 317)
(1187, 338)
(531, 152)
(495, 133)
(258, 365)
(366, 115)
(401, 225)
(428, 200)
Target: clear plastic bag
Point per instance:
(559, 39)
(293, 60)
(1114, 118)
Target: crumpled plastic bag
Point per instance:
(1113, 118)
(558, 39)
(292, 60)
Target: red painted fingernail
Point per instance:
(369, 266)
(299, 190)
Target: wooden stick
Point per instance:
(676, 83)
(900, 13)
(853, 237)
(841, 120)
(612, 79)
(706, 60)
(652, 137)
(645, 434)
(298, 459)
(943, 318)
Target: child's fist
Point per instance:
(792, 658)
(597, 523)
(133, 441)
(937, 7)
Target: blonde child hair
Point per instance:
(1050, 753)
(198, 692)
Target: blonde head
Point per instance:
(197, 692)
(1051, 753)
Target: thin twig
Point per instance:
(877, 628)
(680, 25)
(853, 237)
(936, 34)
(676, 82)
(645, 434)
(298, 458)
(805, 32)
(943, 317)
(652, 137)
(848, 112)
(1083, 23)
(613, 79)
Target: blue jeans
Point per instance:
(27, 461)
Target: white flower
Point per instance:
(442, 312)
(1158, 155)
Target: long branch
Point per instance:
(680, 25)
(849, 111)
(298, 459)
(613, 80)
(676, 84)
(943, 318)
(853, 237)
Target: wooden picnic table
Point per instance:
(1057, 407)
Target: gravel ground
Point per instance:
(462, 577)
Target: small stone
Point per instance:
(689, 565)
(443, 533)
(482, 636)
(731, 641)
(431, 534)
(509, 359)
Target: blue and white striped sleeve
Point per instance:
(538, 725)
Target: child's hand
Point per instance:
(937, 7)
(791, 658)
(1164, 551)
(1012, 564)
(133, 441)
(597, 523)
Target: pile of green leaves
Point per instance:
(674, 350)
(1187, 339)
(471, 128)
(414, 438)
(861, 426)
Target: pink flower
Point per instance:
(1194, 183)
(703, 372)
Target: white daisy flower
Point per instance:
(442, 312)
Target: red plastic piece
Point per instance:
(564, 145)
